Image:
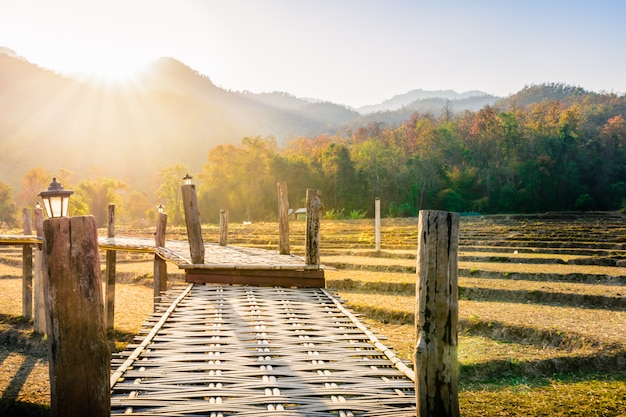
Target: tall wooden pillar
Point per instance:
(160, 266)
(192, 220)
(111, 258)
(77, 342)
(27, 268)
(314, 208)
(38, 279)
(223, 239)
(283, 219)
(436, 315)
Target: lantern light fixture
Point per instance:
(187, 179)
(56, 199)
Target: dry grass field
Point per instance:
(542, 309)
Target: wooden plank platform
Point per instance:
(259, 351)
(223, 264)
(229, 264)
(19, 240)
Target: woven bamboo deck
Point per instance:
(228, 264)
(258, 351)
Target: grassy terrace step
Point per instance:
(513, 271)
(547, 244)
(499, 339)
(594, 296)
(554, 251)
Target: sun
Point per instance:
(104, 67)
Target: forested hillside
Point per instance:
(547, 147)
(167, 114)
(540, 155)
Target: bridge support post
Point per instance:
(436, 315)
(223, 240)
(111, 258)
(377, 223)
(38, 284)
(160, 266)
(192, 220)
(283, 219)
(314, 208)
(77, 342)
(27, 268)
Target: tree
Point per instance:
(98, 194)
(169, 193)
(139, 208)
(340, 174)
(8, 209)
(34, 181)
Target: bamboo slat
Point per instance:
(259, 351)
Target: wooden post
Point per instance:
(314, 208)
(77, 342)
(110, 272)
(283, 219)
(27, 268)
(192, 220)
(38, 283)
(160, 266)
(223, 241)
(436, 315)
(377, 223)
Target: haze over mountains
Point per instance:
(167, 114)
(171, 114)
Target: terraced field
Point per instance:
(542, 309)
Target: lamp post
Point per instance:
(192, 220)
(56, 200)
(79, 372)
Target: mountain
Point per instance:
(168, 114)
(543, 92)
(171, 114)
(415, 97)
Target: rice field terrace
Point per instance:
(542, 307)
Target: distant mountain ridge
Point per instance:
(409, 98)
(171, 113)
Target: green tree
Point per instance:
(139, 209)
(340, 175)
(34, 181)
(8, 208)
(98, 194)
(169, 193)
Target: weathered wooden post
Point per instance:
(110, 271)
(27, 268)
(160, 266)
(38, 283)
(77, 342)
(436, 315)
(377, 223)
(223, 240)
(314, 207)
(283, 219)
(192, 220)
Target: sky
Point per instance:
(350, 52)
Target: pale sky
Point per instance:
(352, 52)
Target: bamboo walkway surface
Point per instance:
(177, 252)
(216, 256)
(258, 351)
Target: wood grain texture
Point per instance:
(77, 345)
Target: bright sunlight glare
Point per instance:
(105, 67)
